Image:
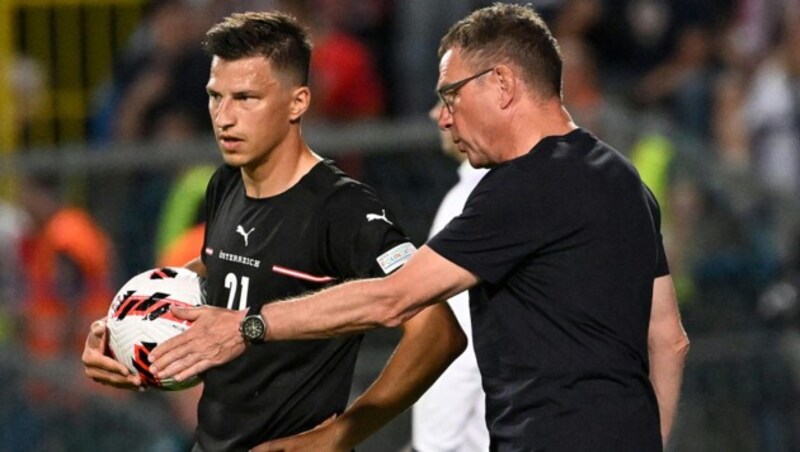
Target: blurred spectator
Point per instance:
(773, 124)
(183, 248)
(372, 22)
(590, 106)
(182, 212)
(729, 131)
(633, 37)
(344, 77)
(682, 83)
(746, 196)
(576, 19)
(654, 156)
(145, 229)
(157, 93)
(163, 69)
(67, 260)
(773, 113)
(751, 31)
(419, 26)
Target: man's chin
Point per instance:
(477, 163)
(233, 159)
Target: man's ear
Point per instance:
(508, 84)
(301, 100)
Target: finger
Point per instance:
(172, 369)
(165, 352)
(105, 363)
(97, 335)
(175, 360)
(95, 357)
(114, 379)
(108, 379)
(192, 371)
(191, 313)
(184, 368)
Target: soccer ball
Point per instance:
(139, 319)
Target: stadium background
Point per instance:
(703, 95)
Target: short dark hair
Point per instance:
(506, 33)
(274, 35)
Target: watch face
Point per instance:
(253, 328)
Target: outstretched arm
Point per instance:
(668, 346)
(361, 305)
(351, 307)
(431, 341)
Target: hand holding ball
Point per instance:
(139, 319)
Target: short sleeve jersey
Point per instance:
(566, 243)
(325, 229)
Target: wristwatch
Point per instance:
(253, 327)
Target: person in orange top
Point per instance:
(67, 263)
(184, 248)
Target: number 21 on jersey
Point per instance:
(233, 285)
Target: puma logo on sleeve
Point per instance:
(375, 216)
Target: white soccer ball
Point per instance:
(139, 319)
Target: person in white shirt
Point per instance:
(450, 416)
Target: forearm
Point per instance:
(666, 375)
(344, 309)
(196, 265)
(667, 345)
(431, 341)
(369, 303)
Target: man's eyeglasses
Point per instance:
(447, 93)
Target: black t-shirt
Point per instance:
(326, 229)
(566, 241)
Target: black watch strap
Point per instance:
(253, 310)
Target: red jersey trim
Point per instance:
(300, 275)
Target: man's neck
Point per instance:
(530, 125)
(282, 170)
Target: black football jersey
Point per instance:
(326, 229)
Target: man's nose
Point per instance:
(434, 112)
(222, 116)
(445, 118)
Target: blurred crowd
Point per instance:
(702, 95)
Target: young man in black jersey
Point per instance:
(575, 323)
(281, 221)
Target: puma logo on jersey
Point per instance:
(240, 230)
(375, 216)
